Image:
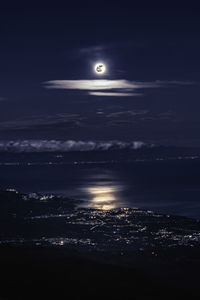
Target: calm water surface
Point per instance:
(165, 187)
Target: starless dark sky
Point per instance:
(155, 43)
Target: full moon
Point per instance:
(100, 68)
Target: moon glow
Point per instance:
(99, 68)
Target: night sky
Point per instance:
(151, 52)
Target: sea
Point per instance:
(162, 179)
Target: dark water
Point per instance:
(162, 185)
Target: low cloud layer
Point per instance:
(66, 146)
(105, 87)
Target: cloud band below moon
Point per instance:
(114, 94)
(101, 87)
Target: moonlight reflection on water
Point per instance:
(103, 197)
(103, 191)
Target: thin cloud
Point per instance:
(101, 84)
(114, 94)
(43, 120)
(127, 113)
(120, 87)
(93, 49)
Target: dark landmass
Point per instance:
(49, 273)
(51, 247)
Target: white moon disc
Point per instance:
(100, 68)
